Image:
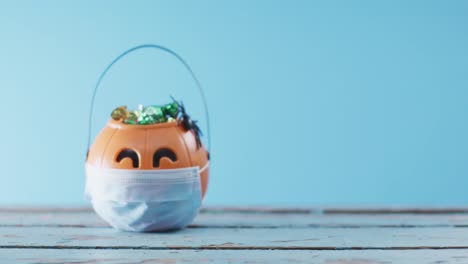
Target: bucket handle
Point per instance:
(157, 47)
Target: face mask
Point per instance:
(145, 200)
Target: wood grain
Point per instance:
(232, 219)
(221, 238)
(246, 235)
(58, 256)
(268, 210)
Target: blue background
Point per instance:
(312, 102)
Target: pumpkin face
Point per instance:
(148, 147)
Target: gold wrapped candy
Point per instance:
(120, 113)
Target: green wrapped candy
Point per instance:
(132, 118)
(152, 115)
(171, 109)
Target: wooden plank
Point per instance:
(340, 210)
(221, 238)
(266, 210)
(245, 220)
(55, 256)
(396, 210)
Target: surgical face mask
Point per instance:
(145, 200)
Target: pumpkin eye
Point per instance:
(163, 153)
(129, 153)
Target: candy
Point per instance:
(132, 118)
(119, 113)
(153, 114)
(171, 109)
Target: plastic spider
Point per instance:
(188, 123)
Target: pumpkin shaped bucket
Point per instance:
(121, 147)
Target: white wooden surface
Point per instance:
(241, 235)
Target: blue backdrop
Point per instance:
(312, 102)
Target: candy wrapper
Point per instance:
(153, 114)
(156, 114)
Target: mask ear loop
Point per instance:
(161, 48)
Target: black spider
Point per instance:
(188, 123)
